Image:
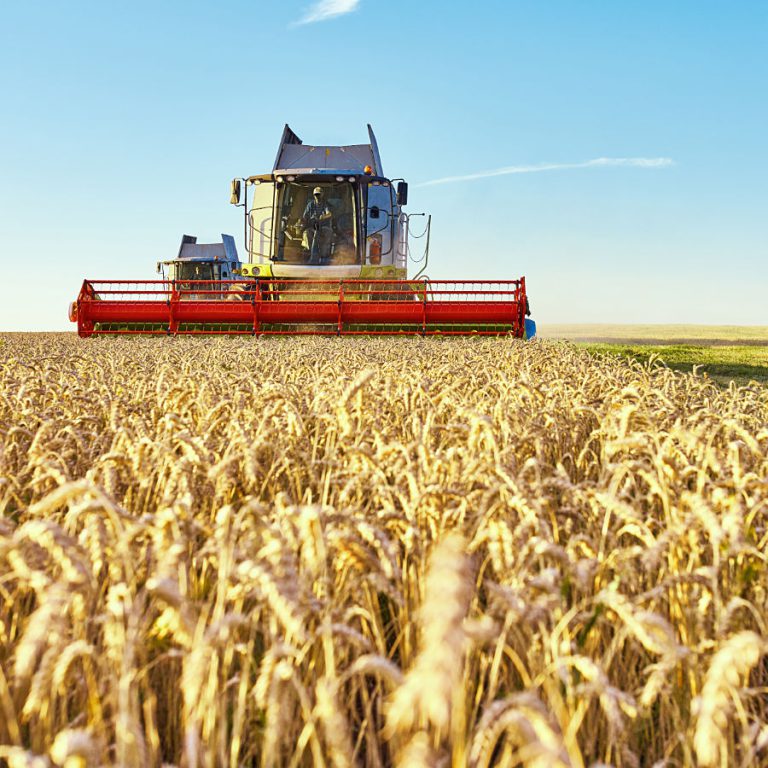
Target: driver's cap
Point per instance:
(317, 191)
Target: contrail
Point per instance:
(631, 162)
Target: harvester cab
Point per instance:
(327, 244)
(324, 212)
(202, 261)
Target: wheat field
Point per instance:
(375, 552)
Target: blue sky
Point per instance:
(121, 125)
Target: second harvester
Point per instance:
(327, 243)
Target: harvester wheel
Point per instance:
(236, 292)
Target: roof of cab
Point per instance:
(293, 155)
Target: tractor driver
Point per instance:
(318, 228)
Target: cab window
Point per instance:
(316, 223)
(260, 220)
(379, 222)
(195, 271)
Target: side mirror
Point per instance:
(234, 194)
(402, 193)
(375, 212)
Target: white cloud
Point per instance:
(328, 9)
(632, 162)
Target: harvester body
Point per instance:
(326, 241)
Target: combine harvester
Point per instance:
(327, 243)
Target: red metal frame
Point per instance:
(274, 306)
